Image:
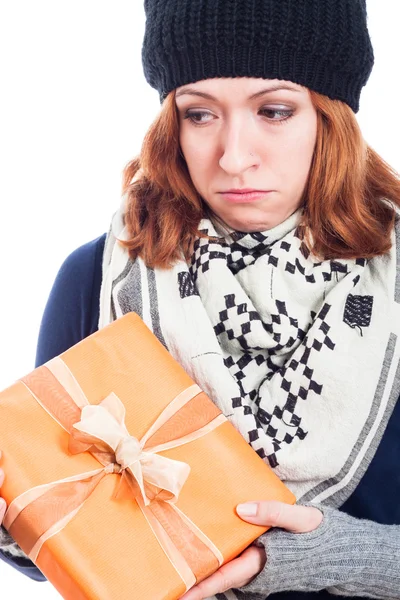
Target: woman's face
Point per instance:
(248, 134)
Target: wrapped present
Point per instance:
(123, 476)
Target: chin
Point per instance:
(248, 227)
(249, 219)
(252, 224)
(255, 228)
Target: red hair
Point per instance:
(345, 215)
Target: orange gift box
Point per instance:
(122, 477)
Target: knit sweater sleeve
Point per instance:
(71, 314)
(347, 556)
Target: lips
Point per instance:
(241, 191)
(244, 195)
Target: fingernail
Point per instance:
(247, 510)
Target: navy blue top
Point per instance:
(72, 313)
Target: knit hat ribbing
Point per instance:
(321, 44)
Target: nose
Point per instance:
(237, 153)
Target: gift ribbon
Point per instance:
(152, 480)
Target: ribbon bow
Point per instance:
(103, 425)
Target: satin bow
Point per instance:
(103, 425)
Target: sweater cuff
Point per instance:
(345, 555)
(291, 560)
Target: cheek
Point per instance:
(297, 153)
(198, 157)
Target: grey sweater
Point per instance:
(347, 556)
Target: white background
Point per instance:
(74, 107)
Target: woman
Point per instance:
(259, 243)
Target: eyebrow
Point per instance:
(193, 92)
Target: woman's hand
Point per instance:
(240, 571)
(3, 505)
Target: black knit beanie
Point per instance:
(321, 44)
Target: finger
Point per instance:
(233, 574)
(297, 519)
(236, 573)
(3, 508)
(1, 477)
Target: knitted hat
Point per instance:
(321, 44)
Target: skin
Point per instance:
(250, 134)
(3, 505)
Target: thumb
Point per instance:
(297, 519)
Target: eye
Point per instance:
(274, 115)
(198, 117)
(277, 115)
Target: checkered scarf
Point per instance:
(300, 355)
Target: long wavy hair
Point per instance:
(346, 210)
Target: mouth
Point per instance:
(244, 195)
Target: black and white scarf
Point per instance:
(302, 356)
